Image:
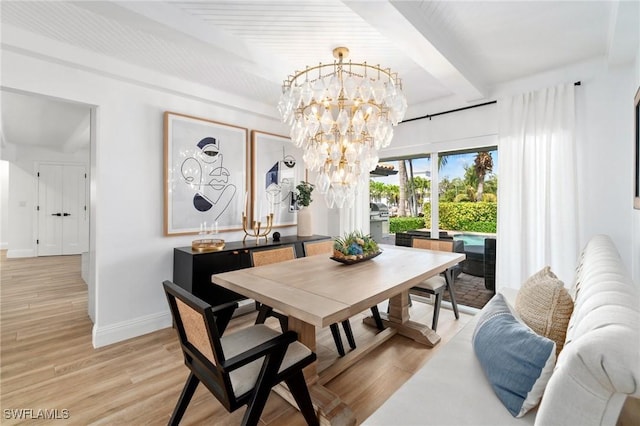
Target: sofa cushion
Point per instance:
(546, 306)
(517, 362)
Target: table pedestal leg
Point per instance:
(398, 318)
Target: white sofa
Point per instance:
(598, 367)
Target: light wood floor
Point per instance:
(47, 360)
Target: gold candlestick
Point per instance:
(256, 230)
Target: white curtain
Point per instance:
(537, 192)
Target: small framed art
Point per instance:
(277, 169)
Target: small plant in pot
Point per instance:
(303, 199)
(304, 190)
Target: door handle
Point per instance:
(56, 214)
(66, 214)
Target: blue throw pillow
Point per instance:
(517, 361)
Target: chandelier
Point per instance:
(341, 114)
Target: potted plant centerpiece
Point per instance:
(354, 247)
(303, 199)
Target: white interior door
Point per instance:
(49, 210)
(74, 211)
(63, 223)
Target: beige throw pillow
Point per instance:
(546, 306)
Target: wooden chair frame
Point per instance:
(440, 245)
(215, 374)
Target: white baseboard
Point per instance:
(16, 253)
(113, 333)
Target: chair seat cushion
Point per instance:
(432, 284)
(244, 378)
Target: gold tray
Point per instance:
(207, 244)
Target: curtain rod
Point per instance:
(577, 83)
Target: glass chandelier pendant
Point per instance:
(341, 114)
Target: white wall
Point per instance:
(4, 203)
(604, 108)
(21, 204)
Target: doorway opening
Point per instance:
(46, 172)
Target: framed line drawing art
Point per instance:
(277, 169)
(205, 171)
(636, 119)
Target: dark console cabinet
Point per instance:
(192, 270)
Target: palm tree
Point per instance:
(391, 192)
(376, 190)
(402, 172)
(442, 161)
(483, 163)
(421, 187)
(413, 204)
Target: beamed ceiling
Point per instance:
(448, 49)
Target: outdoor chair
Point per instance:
(314, 248)
(239, 368)
(437, 285)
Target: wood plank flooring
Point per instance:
(47, 361)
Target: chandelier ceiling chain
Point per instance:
(341, 116)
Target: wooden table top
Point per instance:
(320, 291)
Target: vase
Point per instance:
(305, 222)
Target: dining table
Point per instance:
(317, 291)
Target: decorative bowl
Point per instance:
(351, 261)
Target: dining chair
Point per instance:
(314, 248)
(267, 257)
(437, 285)
(239, 368)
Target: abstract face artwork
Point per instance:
(206, 171)
(205, 174)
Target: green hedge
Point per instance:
(472, 217)
(401, 224)
(485, 227)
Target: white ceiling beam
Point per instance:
(419, 45)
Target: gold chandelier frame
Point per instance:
(341, 53)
